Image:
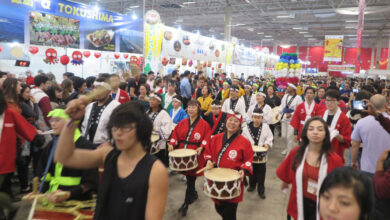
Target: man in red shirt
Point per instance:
(117, 93)
(29, 78)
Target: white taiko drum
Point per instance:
(259, 154)
(183, 159)
(155, 147)
(222, 183)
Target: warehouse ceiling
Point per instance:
(263, 22)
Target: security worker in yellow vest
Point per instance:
(72, 184)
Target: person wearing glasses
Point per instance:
(339, 124)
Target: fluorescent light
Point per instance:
(308, 35)
(283, 16)
(188, 3)
(238, 24)
(267, 36)
(134, 17)
(134, 6)
(251, 29)
(303, 32)
(326, 15)
(197, 32)
(297, 28)
(96, 8)
(285, 46)
(260, 33)
(179, 27)
(351, 21)
(312, 39)
(351, 27)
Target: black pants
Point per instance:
(227, 210)
(35, 154)
(190, 191)
(258, 177)
(22, 163)
(309, 209)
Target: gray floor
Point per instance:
(253, 207)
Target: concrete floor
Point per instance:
(253, 207)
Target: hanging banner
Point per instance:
(183, 44)
(333, 48)
(152, 49)
(246, 56)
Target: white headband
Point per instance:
(104, 84)
(216, 106)
(249, 86)
(156, 97)
(177, 100)
(260, 93)
(292, 85)
(257, 114)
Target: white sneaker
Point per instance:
(284, 152)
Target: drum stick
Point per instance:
(96, 92)
(201, 170)
(41, 195)
(35, 191)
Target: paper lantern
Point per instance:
(164, 61)
(87, 53)
(125, 55)
(64, 59)
(77, 58)
(1, 49)
(17, 51)
(116, 55)
(33, 49)
(51, 56)
(219, 65)
(97, 54)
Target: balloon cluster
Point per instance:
(287, 70)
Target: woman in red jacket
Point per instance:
(305, 168)
(230, 150)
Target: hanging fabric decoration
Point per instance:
(51, 56)
(17, 51)
(77, 58)
(190, 63)
(64, 59)
(133, 59)
(288, 70)
(97, 54)
(33, 49)
(87, 53)
(184, 62)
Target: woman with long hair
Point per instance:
(55, 95)
(143, 96)
(67, 88)
(305, 168)
(12, 88)
(192, 134)
(230, 150)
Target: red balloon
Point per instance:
(116, 55)
(64, 60)
(1, 49)
(33, 49)
(125, 55)
(97, 54)
(164, 61)
(220, 65)
(87, 53)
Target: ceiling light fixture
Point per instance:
(260, 33)
(134, 16)
(285, 46)
(134, 6)
(297, 28)
(351, 27)
(351, 21)
(267, 36)
(303, 32)
(188, 3)
(283, 16)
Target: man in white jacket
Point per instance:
(234, 103)
(97, 115)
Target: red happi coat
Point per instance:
(287, 175)
(199, 135)
(14, 124)
(122, 96)
(239, 155)
(298, 119)
(344, 127)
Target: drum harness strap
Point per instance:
(225, 145)
(256, 139)
(192, 126)
(233, 104)
(288, 103)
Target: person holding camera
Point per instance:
(375, 139)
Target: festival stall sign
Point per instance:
(246, 56)
(333, 48)
(61, 23)
(344, 69)
(182, 44)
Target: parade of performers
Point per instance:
(153, 145)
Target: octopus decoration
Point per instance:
(51, 56)
(133, 59)
(77, 58)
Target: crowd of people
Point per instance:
(66, 136)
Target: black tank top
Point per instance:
(125, 198)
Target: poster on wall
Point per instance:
(131, 41)
(178, 43)
(99, 37)
(333, 48)
(50, 30)
(9, 18)
(246, 56)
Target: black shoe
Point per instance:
(262, 195)
(251, 189)
(183, 209)
(194, 198)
